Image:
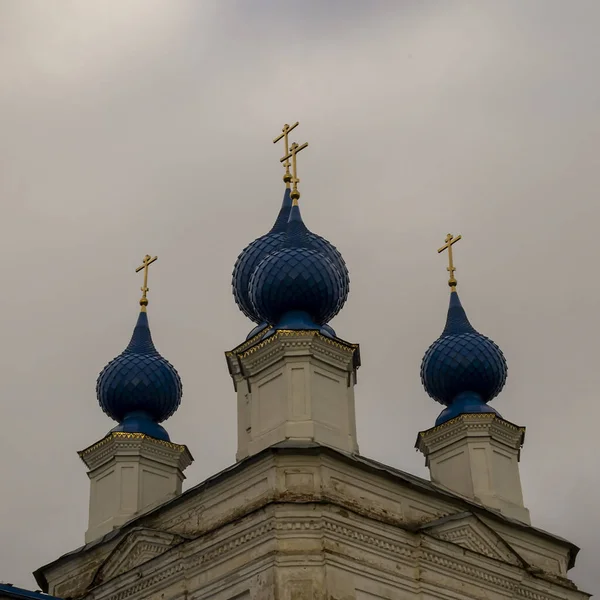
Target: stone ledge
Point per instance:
(135, 444)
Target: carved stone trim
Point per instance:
(471, 426)
(218, 550)
(137, 548)
(135, 444)
(425, 556)
(316, 346)
(253, 354)
(144, 584)
(468, 570)
(282, 334)
(467, 536)
(374, 541)
(129, 436)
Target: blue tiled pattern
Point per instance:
(463, 361)
(298, 278)
(287, 233)
(253, 254)
(139, 379)
(333, 254)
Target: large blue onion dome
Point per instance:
(462, 369)
(140, 388)
(253, 254)
(297, 286)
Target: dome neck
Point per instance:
(457, 321)
(284, 213)
(296, 320)
(139, 421)
(465, 403)
(296, 233)
(141, 340)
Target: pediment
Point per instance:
(468, 531)
(136, 548)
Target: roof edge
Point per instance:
(313, 448)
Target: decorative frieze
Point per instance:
(442, 563)
(297, 508)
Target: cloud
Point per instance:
(146, 127)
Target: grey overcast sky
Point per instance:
(144, 126)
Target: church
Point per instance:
(302, 515)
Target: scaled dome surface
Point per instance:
(463, 368)
(299, 280)
(253, 254)
(140, 385)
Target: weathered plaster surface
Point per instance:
(316, 525)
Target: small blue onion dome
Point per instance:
(253, 254)
(462, 369)
(139, 388)
(298, 286)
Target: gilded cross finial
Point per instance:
(287, 177)
(450, 240)
(294, 149)
(148, 260)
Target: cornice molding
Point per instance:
(471, 425)
(150, 575)
(465, 568)
(120, 444)
(138, 547)
(285, 343)
(313, 346)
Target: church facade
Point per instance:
(302, 515)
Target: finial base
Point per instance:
(141, 422)
(465, 403)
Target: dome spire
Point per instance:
(294, 149)
(267, 243)
(462, 369)
(139, 388)
(313, 284)
(450, 240)
(287, 177)
(148, 260)
(304, 284)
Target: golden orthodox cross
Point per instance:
(450, 240)
(284, 135)
(148, 260)
(294, 149)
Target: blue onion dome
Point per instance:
(297, 286)
(462, 369)
(253, 254)
(140, 388)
